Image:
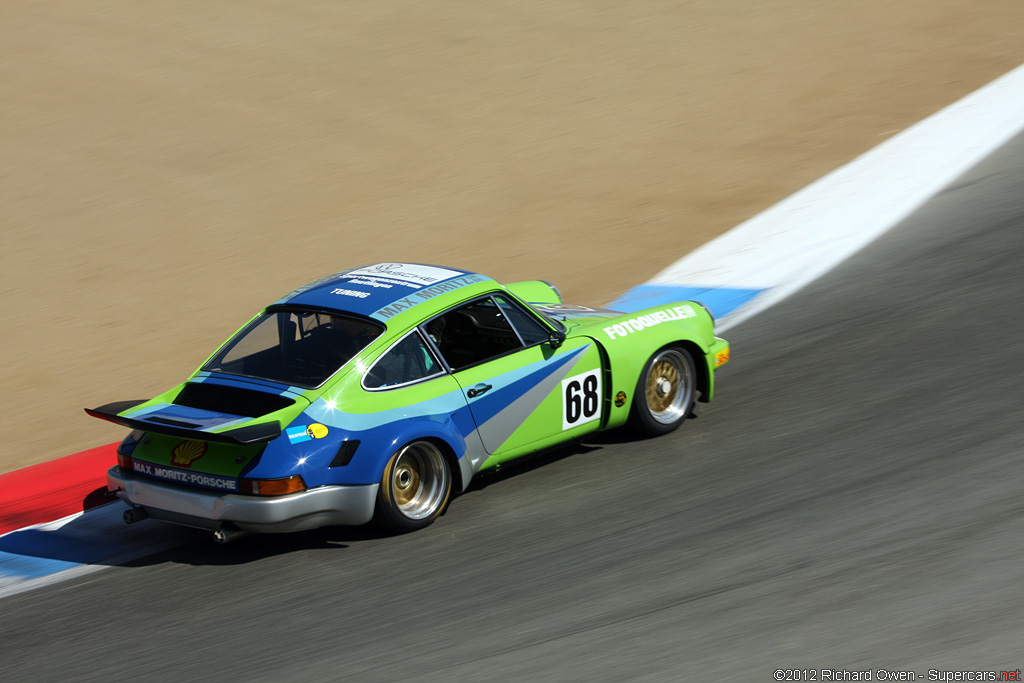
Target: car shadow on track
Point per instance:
(259, 547)
(587, 445)
(199, 548)
(101, 538)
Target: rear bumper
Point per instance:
(323, 506)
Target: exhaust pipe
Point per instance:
(223, 536)
(132, 515)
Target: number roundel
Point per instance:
(581, 399)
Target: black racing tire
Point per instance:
(414, 489)
(665, 392)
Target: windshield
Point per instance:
(300, 348)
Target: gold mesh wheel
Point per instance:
(669, 386)
(419, 481)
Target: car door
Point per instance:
(524, 391)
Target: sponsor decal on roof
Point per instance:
(405, 273)
(383, 289)
(642, 322)
(374, 282)
(408, 302)
(350, 292)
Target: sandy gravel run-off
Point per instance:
(166, 169)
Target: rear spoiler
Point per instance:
(242, 436)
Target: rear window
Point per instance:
(300, 348)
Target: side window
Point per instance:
(529, 328)
(472, 334)
(407, 361)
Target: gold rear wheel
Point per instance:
(415, 487)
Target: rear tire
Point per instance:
(665, 392)
(415, 487)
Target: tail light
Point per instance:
(124, 461)
(127, 447)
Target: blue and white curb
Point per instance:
(746, 270)
(80, 544)
(765, 259)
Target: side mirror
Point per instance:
(556, 337)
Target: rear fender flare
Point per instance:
(455, 448)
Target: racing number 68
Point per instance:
(580, 401)
(581, 398)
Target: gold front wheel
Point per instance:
(665, 391)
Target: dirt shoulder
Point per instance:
(166, 169)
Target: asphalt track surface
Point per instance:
(851, 500)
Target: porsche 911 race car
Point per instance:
(379, 392)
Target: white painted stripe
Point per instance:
(804, 236)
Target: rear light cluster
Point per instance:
(271, 487)
(127, 447)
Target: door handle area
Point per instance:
(478, 389)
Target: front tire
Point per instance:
(415, 487)
(665, 392)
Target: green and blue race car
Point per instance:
(379, 392)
